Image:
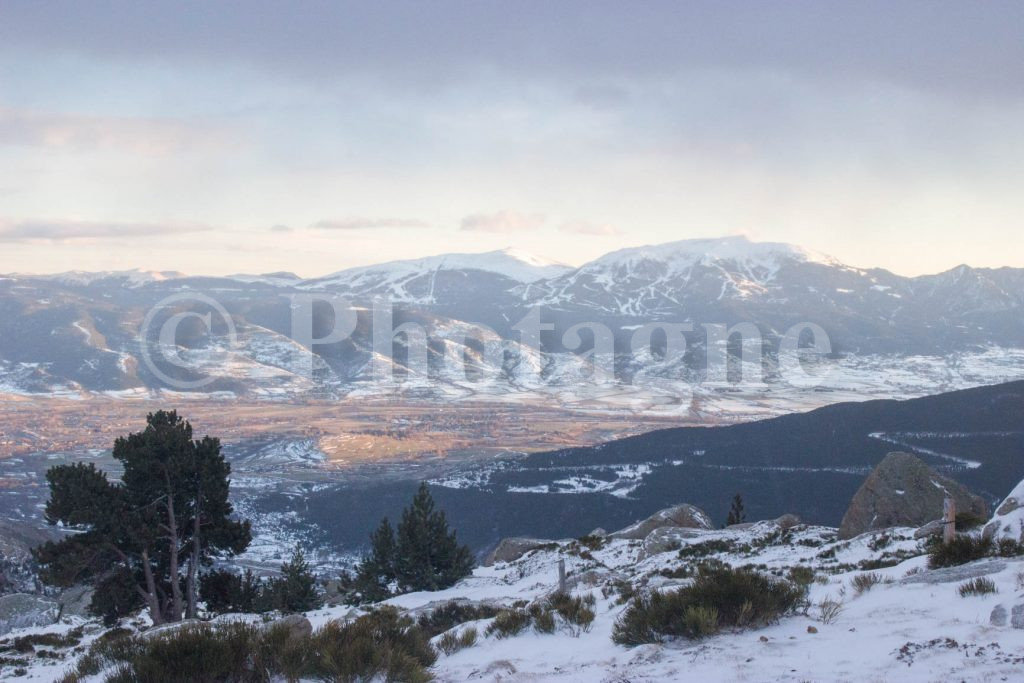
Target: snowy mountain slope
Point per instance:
(411, 280)
(911, 625)
(79, 332)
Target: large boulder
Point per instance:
(513, 548)
(683, 516)
(1008, 520)
(904, 491)
(22, 610)
(297, 626)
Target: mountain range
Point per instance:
(75, 333)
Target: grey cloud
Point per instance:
(942, 45)
(502, 222)
(72, 230)
(368, 223)
(139, 135)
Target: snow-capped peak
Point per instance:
(134, 277)
(739, 249)
(511, 263)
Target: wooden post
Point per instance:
(561, 575)
(948, 520)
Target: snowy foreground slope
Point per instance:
(912, 625)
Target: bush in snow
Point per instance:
(961, 550)
(509, 622)
(739, 598)
(451, 614)
(380, 645)
(979, 586)
(862, 583)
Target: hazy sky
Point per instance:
(219, 137)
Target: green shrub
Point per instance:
(452, 642)
(543, 619)
(705, 548)
(961, 550)
(967, 520)
(700, 621)
(801, 575)
(740, 598)
(1007, 547)
(225, 591)
(577, 612)
(379, 645)
(451, 614)
(592, 542)
(979, 586)
(862, 583)
(509, 622)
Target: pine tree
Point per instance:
(295, 590)
(427, 555)
(169, 512)
(377, 571)
(736, 512)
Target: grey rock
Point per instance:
(513, 548)
(298, 625)
(787, 521)
(998, 616)
(667, 539)
(680, 516)
(904, 491)
(22, 610)
(598, 532)
(953, 574)
(932, 528)
(74, 601)
(1017, 616)
(1008, 520)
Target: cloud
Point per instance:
(368, 223)
(74, 231)
(587, 228)
(149, 136)
(934, 45)
(503, 222)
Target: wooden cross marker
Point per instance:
(948, 520)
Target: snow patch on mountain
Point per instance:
(510, 263)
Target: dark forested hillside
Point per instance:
(809, 464)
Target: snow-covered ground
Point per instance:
(913, 625)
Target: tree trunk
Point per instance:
(175, 576)
(193, 567)
(150, 593)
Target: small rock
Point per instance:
(1017, 616)
(811, 629)
(787, 521)
(932, 528)
(680, 516)
(513, 548)
(998, 616)
(764, 639)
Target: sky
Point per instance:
(226, 137)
